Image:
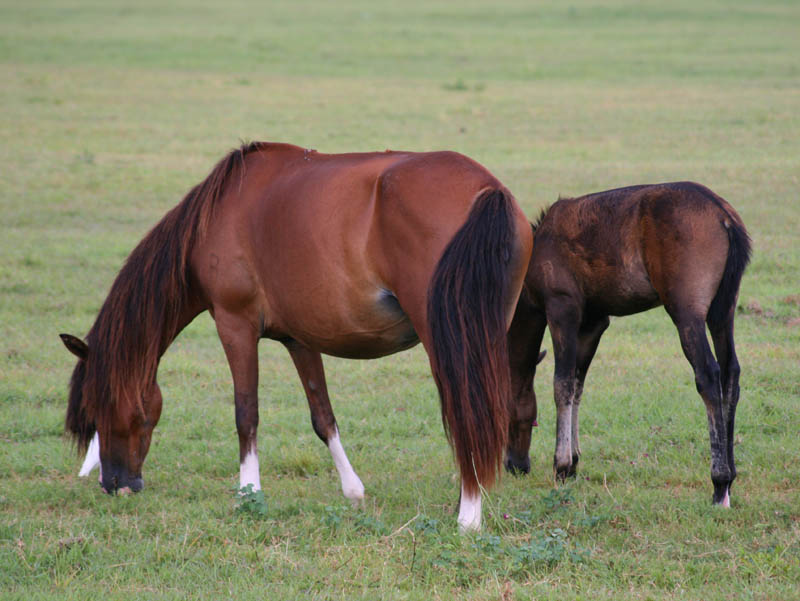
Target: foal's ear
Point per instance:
(76, 346)
(541, 356)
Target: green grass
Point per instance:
(110, 112)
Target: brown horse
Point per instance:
(617, 253)
(352, 255)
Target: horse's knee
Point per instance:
(708, 382)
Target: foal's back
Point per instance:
(630, 249)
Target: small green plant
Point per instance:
(488, 544)
(371, 524)
(333, 517)
(251, 502)
(549, 549)
(426, 525)
(558, 498)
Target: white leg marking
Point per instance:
(352, 487)
(726, 501)
(248, 471)
(469, 513)
(92, 457)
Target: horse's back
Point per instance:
(319, 247)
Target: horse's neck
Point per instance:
(190, 311)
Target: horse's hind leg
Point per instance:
(588, 339)
(312, 375)
(240, 341)
(722, 335)
(692, 332)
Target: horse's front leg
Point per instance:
(240, 340)
(312, 375)
(563, 320)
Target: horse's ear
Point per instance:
(541, 356)
(76, 346)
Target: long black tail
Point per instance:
(468, 300)
(739, 250)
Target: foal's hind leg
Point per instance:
(692, 331)
(722, 335)
(588, 339)
(312, 375)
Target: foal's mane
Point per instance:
(139, 318)
(535, 224)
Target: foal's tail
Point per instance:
(739, 250)
(468, 300)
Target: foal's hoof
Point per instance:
(722, 496)
(564, 472)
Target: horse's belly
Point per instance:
(362, 328)
(370, 344)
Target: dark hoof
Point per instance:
(567, 472)
(722, 496)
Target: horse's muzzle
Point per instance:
(119, 482)
(517, 464)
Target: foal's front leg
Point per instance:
(588, 339)
(240, 341)
(563, 320)
(312, 375)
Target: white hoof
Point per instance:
(352, 487)
(249, 473)
(469, 513)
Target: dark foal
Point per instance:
(621, 252)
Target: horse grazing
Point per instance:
(620, 252)
(352, 255)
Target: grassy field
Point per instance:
(111, 111)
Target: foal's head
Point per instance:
(124, 422)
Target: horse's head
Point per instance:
(522, 418)
(124, 425)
